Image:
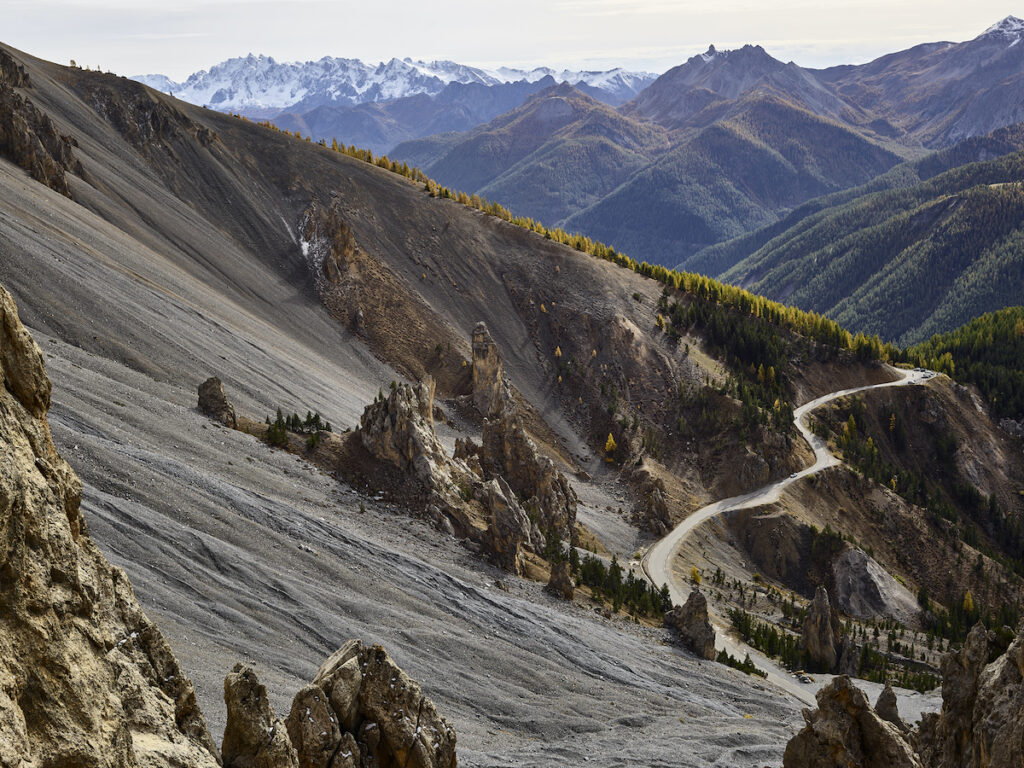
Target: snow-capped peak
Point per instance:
(258, 83)
(1010, 27)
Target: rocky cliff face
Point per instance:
(982, 720)
(28, 137)
(399, 429)
(85, 677)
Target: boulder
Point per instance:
(508, 526)
(214, 403)
(887, 709)
(561, 583)
(845, 731)
(86, 679)
(691, 621)
(822, 633)
(398, 429)
(253, 737)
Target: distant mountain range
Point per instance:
(663, 168)
(728, 141)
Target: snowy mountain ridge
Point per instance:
(260, 84)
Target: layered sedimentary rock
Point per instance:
(86, 679)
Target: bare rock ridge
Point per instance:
(28, 136)
(981, 724)
(85, 677)
(398, 429)
(515, 494)
(982, 720)
(691, 621)
(214, 403)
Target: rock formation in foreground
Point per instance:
(253, 737)
(981, 724)
(691, 621)
(845, 731)
(362, 711)
(982, 720)
(86, 679)
(214, 403)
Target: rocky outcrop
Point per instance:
(863, 589)
(253, 737)
(398, 428)
(28, 137)
(845, 731)
(508, 526)
(691, 622)
(561, 584)
(489, 391)
(508, 452)
(822, 633)
(86, 679)
(214, 403)
(982, 720)
(362, 711)
(887, 709)
(651, 511)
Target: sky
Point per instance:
(178, 37)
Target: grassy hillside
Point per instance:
(903, 263)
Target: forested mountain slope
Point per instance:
(903, 262)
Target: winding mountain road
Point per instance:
(657, 563)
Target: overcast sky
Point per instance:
(178, 37)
